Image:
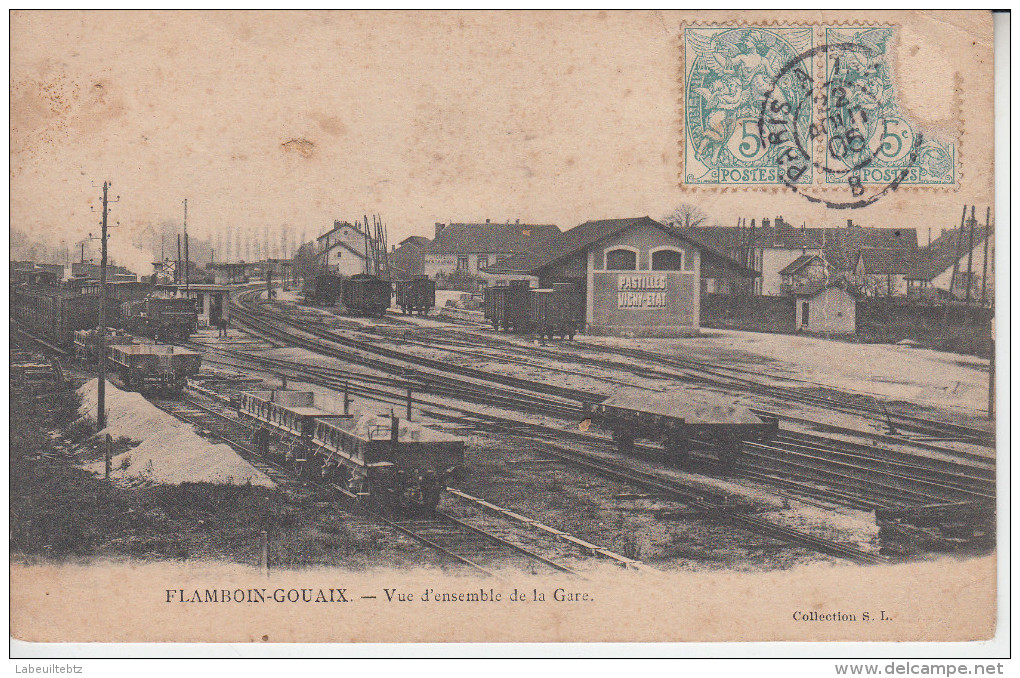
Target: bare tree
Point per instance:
(686, 215)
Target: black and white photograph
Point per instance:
(525, 326)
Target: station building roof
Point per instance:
(591, 233)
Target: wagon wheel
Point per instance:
(679, 450)
(624, 441)
(728, 456)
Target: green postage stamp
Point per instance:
(804, 107)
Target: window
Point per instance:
(200, 303)
(804, 313)
(621, 260)
(339, 254)
(462, 263)
(483, 261)
(667, 260)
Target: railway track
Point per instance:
(716, 505)
(467, 544)
(830, 467)
(732, 377)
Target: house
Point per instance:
(472, 248)
(408, 257)
(344, 249)
(807, 269)
(826, 308)
(882, 272)
(772, 246)
(638, 277)
(933, 272)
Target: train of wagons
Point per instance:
(381, 459)
(369, 295)
(556, 311)
(67, 317)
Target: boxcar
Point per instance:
(683, 420)
(54, 313)
(378, 458)
(506, 306)
(417, 295)
(323, 289)
(555, 312)
(365, 294)
(149, 366)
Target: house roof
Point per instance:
(418, 240)
(887, 260)
(589, 233)
(815, 287)
(484, 238)
(341, 243)
(337, 225)
(839, 245)
(799, 263)
(938, 257)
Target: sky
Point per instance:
(264, 121)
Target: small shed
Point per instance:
(825, 308)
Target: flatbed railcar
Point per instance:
(683, 419)
(417, 295)
(143, 367)
(379, 459)
(367, 295)
(86, 343)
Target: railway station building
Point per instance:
(640, 277)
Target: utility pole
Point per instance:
(187, 257)
(970, 252)
(956, 259)
(101, 414)
(984, 259)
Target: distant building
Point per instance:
(881, 272)
(826, 308)
(805, 270)
(472, 248)
(408, 258)
(636, 276)
(211, 301)
(932, 274)
(771, 246)
(344, 249)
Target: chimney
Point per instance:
(849, 223)
(765, 222)
(488, 221)
(518, 222)
(439, 228)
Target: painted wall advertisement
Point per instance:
(647, 290)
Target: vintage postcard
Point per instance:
(503, 326)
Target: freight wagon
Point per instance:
(323, 289)
(548, 312)
(381, 459)
(365, 294)
(417, 295)
(53, 313)
(683, 420)
(86, 343)
(152, 366)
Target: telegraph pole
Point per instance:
(101, 414)
(187, 258)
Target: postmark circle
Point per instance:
(842, 132)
